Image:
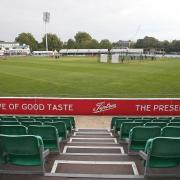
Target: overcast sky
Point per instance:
(112, 19)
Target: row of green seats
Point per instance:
(56, 122)
(161, 152)
(48, 133)
(127, 126)
(22, 150)
(70, 121)
(138, 136)
(118, 123)
(136, 119)
(59, 125)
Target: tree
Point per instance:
(28, 39)
(105, 44)
(147, 42)
(83, 40)
(94, 44)
(71, 44)
(54, 42)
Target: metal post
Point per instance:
(46, 37)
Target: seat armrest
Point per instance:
(59, 139)
(45, 153)
(143, 155)
(127, 140)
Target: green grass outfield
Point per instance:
(85, 77)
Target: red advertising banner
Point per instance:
(67, 106)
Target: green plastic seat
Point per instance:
(142, 120)
(174, 124)
(118, 122)
(138, 137)
(61, 127)
(134, 118)
(67, 122)
(163, 152)
(175, 120)
(150, 118)
(9, 123)
(26, 119)
(30, 123)
(43, 120)
(13, 130)
(114, 120)
(23, 150)
(160, 124)
(8, 119)
(162, 120)
(170, 131)
(73, 123)
(126, 127)
(49, 135)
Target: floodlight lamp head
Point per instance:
(46, 17)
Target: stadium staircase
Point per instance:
(95, 153)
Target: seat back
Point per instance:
(171, 131)
(160, 124)
(8, 119)
(163, 152)
(22, 149)
(49, 134)
(43, 120)
(13, 130)
(71, 119)
(26, 119)
(66, 121)
(142, 120)
(61, 127)
(114, 120)
(162, 120)
(174, 124)
(126, 127)
(144, 133)
(175, 120)
(118, 123)
(30, 123)
(9, 123)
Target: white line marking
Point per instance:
(93, 154)
(114, 139)
(94, 163)
(91, 133)
(93, 129)
(105, 143)
(92, 147)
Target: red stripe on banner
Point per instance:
(47, 106)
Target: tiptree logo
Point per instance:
(103, 106)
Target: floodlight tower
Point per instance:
(46, 19)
